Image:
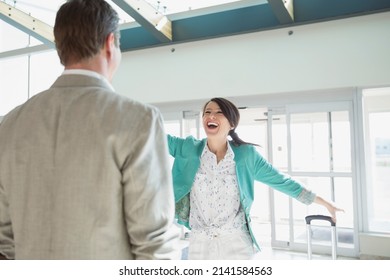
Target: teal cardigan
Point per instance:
(250, 166)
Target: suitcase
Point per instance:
(311, 218)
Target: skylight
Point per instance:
(46, 10)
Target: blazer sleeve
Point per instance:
(7, 247)
(148, 193)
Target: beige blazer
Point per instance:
(85, 174)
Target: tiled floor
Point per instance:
(263, 235)
(268, 253)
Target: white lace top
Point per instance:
(215, 198)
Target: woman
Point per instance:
(213, 183)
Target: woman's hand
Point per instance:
(328, 205)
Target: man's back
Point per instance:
(86, 175)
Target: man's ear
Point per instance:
(110, 44)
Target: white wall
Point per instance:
(352, 52)
(374, 246)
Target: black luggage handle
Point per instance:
(319, 217)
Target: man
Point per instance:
(84, 172)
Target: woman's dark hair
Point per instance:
(81, 29)
(231, 112)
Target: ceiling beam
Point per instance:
(148, 17)
(25, 51)
(27, 23)
(283, 10)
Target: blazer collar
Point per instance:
(79, 80)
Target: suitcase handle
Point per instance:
(319, 217)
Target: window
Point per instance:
(376, 105)
(44, 70)
(23, 76)
(14, 83)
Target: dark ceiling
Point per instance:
(232, 18)
(253, 18)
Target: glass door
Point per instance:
(313, 144)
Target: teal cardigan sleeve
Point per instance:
(271, 176)
(186, 153)
(180, 168)
(173, 142)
